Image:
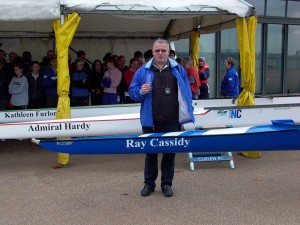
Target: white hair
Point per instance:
(161, 41)
(202, 59)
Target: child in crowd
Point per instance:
(49, 83)
(128, 75)
(95, 83)
(18, 88)
(79, 85)
(110, 94)
(36, 90)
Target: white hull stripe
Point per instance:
(238, 130)
(173, 134)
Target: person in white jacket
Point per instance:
(18, 88)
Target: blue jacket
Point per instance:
(49, 82)
(79, 89)
(230, 83)
(184, 93)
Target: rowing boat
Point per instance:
(280, 135)
(14, 116)
(123, 124)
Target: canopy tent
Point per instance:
(174, 19)
(127, 18)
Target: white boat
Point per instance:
(12, 116)
(130, 123)
(237, 116)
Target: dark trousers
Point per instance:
(96, 99)
(128, 100)
(51, 101)
(3, 104)
(36, 103)
(204, 91)
(110, 98)
(17, 107)
(80, 101)
(168, 159)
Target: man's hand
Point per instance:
(145, 88)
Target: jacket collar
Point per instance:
(171, 62)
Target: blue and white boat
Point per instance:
(280, 135)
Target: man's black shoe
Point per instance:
(167, 190)
(147, 190)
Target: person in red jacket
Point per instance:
(128, 75)
(192, 76)
(203, 75)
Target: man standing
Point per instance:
(230, 83)
(162, 86)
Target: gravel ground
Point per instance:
(105, 189)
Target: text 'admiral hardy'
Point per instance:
(60, 126)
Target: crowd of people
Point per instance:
(25, 83)
(163, 83)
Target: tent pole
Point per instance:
(62, 19)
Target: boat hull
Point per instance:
(244, 115)
(262, 138)
(130, 123)
(15, 116)
(102, 125)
